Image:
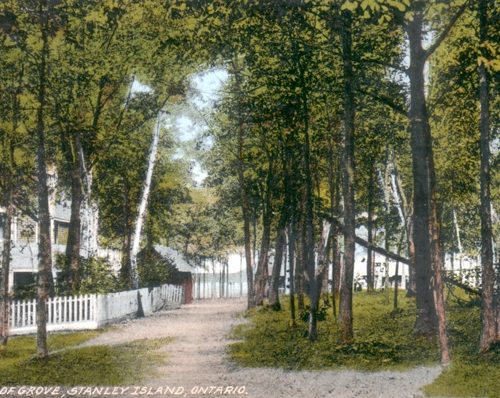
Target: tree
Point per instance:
(13, 168)
(345, 304)
(143, 204)
(44, 243)
(489, 334)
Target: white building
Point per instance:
(24, 244)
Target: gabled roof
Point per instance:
(177, 258)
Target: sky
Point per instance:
(190, 119)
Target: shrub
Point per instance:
(96, 276)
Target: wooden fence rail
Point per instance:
(92, 311)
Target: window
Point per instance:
(26, 230)
(61, 233)
(24, 285)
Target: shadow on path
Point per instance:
(197, 364)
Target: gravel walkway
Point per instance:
(197, 365)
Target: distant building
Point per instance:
(24, 250)
(184, 271)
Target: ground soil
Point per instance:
(197, 364)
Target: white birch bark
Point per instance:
(89, 212)
(141, 214)
(457, 231)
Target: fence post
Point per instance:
(91, 310)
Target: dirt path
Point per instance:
(197, 364)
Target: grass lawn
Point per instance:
(470, 374)
(69, 365)
(383, 341)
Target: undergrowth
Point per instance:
(470, 374)
(72, 365)
(383, 340)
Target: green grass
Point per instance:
(70, 365)
(383, 340)
(470, 374)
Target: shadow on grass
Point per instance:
(69, 365)
(384, 340)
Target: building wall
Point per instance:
(24, 235)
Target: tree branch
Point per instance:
(396, 257)
(385, 64)
(446, 30)
(386, 101)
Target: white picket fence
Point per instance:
(92, 311)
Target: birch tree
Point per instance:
(141, 214)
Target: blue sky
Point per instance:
(188, 120)
(204, 92)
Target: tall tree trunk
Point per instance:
(488, 330)
(291, 257)
(345, 305)
(44, 242)
(316, 282)
(89, 217)
(411, 290)
(274, 301)
(245, 203)
(5, 266)
(396, 274)
(226, 263)
(457, 233)
(405, 213)
(127, 237)
(421, 155)
(263, 260)
(438, 286)
(308, 240)
(141, 214)
(221, 279)
(89, 211)
(72, 261)
(428, 259)
(334, 179)
(326, 275)
(370, 270)
(299, 266)
(336, 265)
(245, 207)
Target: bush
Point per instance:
(320, 314)
(384, 340)
(96, 276)
(154, 269)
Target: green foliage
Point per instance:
(384, 339)
(470, 374)
(96, 275)
(468, 378)
(69, 366)
(154, 269)
(321, 314)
